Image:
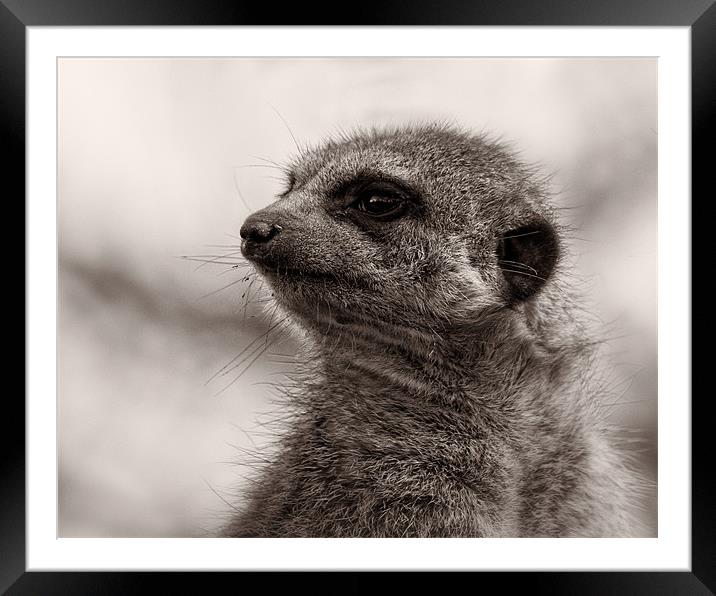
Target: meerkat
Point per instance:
(448, 390)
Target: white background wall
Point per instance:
(151, 155)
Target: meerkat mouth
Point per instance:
(277, 271)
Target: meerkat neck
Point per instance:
(452, 365)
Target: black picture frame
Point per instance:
(17, 15)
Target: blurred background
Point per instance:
(160, 158)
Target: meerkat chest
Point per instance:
(442, 481)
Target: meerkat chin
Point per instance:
(447, 390)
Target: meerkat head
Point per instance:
(421, 227)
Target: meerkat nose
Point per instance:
(258, 231)
(257, 234)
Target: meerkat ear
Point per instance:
(527, 256)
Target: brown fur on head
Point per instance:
(425, 227)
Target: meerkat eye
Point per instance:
(372, 198)
(379, 206)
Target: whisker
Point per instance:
(213, 257)
(242, 352)
(525, 234)
(622, 403)
(519, 265)
(214, 261)
(248, 366)
(246, 296)
(246, 434)
(234, 507)
(256, 165)
(237, 268)
(225, 256)
(273, 163)
(238, 191)
(523, 273)
(295, 142)
(233, 283)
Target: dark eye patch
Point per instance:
(374, 181)
(376, 197)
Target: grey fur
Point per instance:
(433, 402)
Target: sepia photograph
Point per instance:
(357, 297)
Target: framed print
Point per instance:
(422, 303)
